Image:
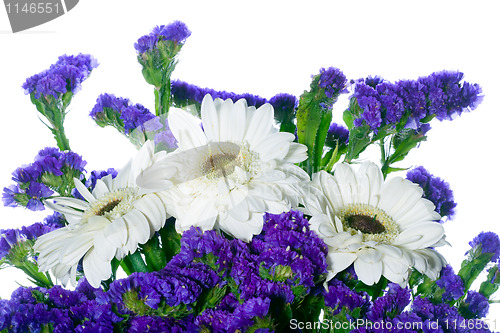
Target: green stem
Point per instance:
(162, 97)
(60, 136)
(40, 279)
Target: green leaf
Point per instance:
(492, 282)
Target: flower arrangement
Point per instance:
(244, 214)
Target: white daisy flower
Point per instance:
(382, 227)
(231, 170)
(109, 223)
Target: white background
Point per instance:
(267, 47)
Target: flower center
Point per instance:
(219, 165)
(112, 205)
(372, 222)
(365, 224)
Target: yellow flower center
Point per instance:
(373, 223)
(112, 205)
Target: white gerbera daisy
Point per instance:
(383, 228)
(110, 222)
(231, 171)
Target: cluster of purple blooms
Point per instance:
(126, 117)
(440, 95)
(9, 238)
(213, 283)
(66, 75)
(176, 32)
(337, 134)
(52, 170)
(333, 82)
(185, 94)
(435, 189)
(392, 311)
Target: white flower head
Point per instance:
(109, 223)
(230, 170)
(382, 227)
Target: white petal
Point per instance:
(338, 261)
(153, 209)
(420, 235)
(237, 121)
(96, 269)
(84, 192)
(275, 146)
(103, 248)
(296, 153)
(210, 118)
(116, 232)
(259, 125)
(368, 273)
(186, 129)
(138, 226)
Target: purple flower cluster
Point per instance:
(337, 135)
(452, 284)
(66, 75)
(489, 242)
(440, 94)
(184, 94)
(122, 114)
(333, 81)
(340, 297)
(11, 238)
(284, 106)
(38, 309)
(176, 32)
(52, 170)
(279, 266)
(435, 189)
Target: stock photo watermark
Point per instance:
(353, 324)
(26, 14)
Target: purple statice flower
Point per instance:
(284, 106)
(135, 116)
(286, 240)
(339, 296)
(186, 94)
(9, 195)
(333, 81)
(452, 284)
(26, 173)
(93, 316)
(38, 229)
(476, 304)
(158, 324)
(52, 160)
(66, 75)
(372, 115)
(37, 191)
(240, 318)
(391, 304)
(176, 32)
(56, 219)
(108, 101)
(337, 135)
(441, 95)
(122, 114)
(435, 189)
(8, 239)
(489, 242)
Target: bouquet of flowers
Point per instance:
(244, 214)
